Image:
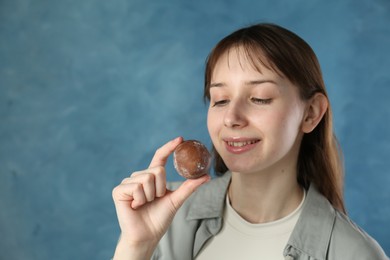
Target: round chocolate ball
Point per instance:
(191, 159)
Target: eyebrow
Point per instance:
(248, 83)
(259, 82)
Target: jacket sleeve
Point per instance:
(349, 242)
(177, 242)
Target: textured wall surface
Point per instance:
(89, 89)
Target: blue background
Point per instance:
(89, 89)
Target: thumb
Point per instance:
(186, 189)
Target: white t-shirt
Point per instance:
(239, 239)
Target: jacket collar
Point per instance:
(311, 234)
(209, 200)
(313, 230)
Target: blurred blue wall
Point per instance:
(89, 89)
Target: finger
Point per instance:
(161, 156)
(129, 192)
(139, 197)
(186, 189)
(160, 181)
(153, 181)
(149, 187)
(147, 181)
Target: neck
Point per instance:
(264, 197)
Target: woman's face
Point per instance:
(254, 118)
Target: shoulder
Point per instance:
(352, 241)
(322, 232)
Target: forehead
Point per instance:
(246, 59)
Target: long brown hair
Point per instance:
(320, 158)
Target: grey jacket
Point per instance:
(321, 232)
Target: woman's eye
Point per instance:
(261, 101)
(220, 103)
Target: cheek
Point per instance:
(281, 125)
(287, 126)
(211, 123)
(215, 126)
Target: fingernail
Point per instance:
(176, 139)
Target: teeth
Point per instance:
(240, 144)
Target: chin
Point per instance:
(239, 167)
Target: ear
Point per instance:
(315, 110)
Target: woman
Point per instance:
(279, 194)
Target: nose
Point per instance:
(235, 115)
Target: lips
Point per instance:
(240, 145)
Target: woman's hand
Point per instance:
(145, 208)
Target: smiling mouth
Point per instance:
(241, 144)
